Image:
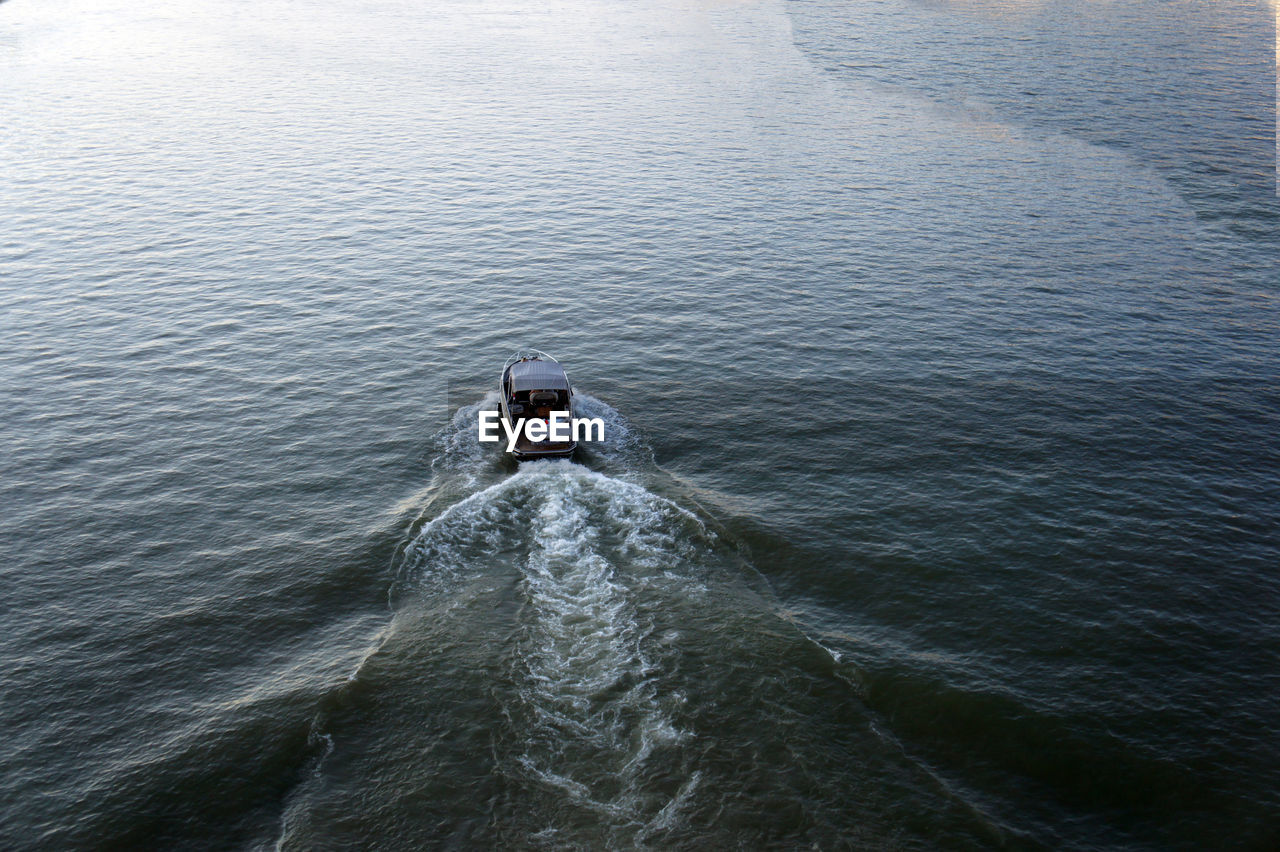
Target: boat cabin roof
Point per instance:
(538, 375)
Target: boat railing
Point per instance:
(527, 355)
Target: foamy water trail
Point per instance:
(621, 448)
(586, 711)
(459, 452)
(588, 671)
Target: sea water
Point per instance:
(936, 347)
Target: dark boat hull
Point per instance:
(539, 389)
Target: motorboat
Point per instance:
(534, 387)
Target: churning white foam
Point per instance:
(591, 702)
(586, 712)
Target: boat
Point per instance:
(534, 386)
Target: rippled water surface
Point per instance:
(936, 347)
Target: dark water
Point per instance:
(937, 348)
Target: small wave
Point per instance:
(621, 447)
(459, 449)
